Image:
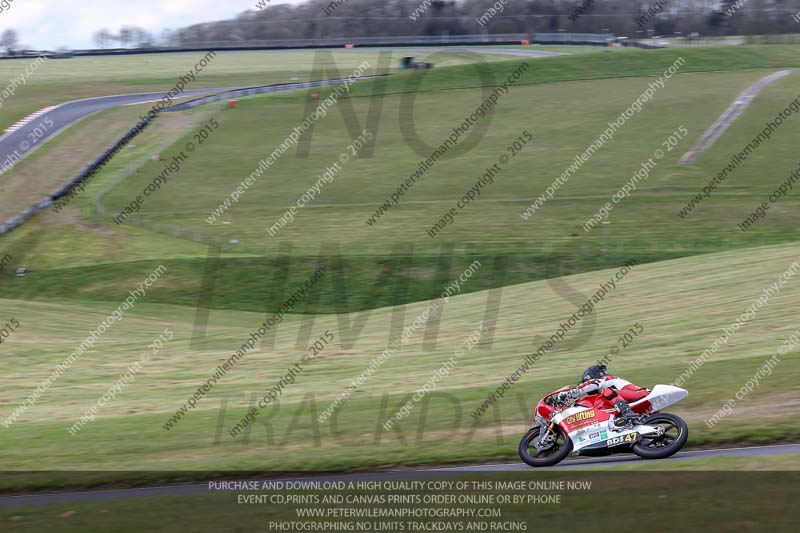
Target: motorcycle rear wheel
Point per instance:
(673, 439)
(549, 457)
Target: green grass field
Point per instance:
(565, 118)
(694, 277)
(681, 304)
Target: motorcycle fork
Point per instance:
(547, 430)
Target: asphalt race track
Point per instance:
(202, 488)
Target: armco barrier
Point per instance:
(334, 42)
(645, 46)
(573, 38)
(263, 89)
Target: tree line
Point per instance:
(320, 19)
(366, 18)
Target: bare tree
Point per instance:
(9, 41)
(135, 36)
(167, 37)
(103, 38)
(141, 37)
(125, 36)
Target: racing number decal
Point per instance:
(626, 439)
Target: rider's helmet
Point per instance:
(594, 372)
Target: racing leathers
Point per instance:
(615, 390)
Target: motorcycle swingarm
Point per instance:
(648, 431)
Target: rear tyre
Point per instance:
(674, 438)
(549, 457)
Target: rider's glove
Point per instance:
(563, 397)
(574, 394)
(567, 396)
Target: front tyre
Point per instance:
(552, 455)
(670, 442)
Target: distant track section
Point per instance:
(732, 113)
(14, 145)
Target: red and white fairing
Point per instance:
(589, 423)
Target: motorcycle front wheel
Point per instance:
(670, 442)
(549, 457)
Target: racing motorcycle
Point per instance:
(587, 427)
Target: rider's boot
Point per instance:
(626, 414)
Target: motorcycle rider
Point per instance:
(615, 390)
